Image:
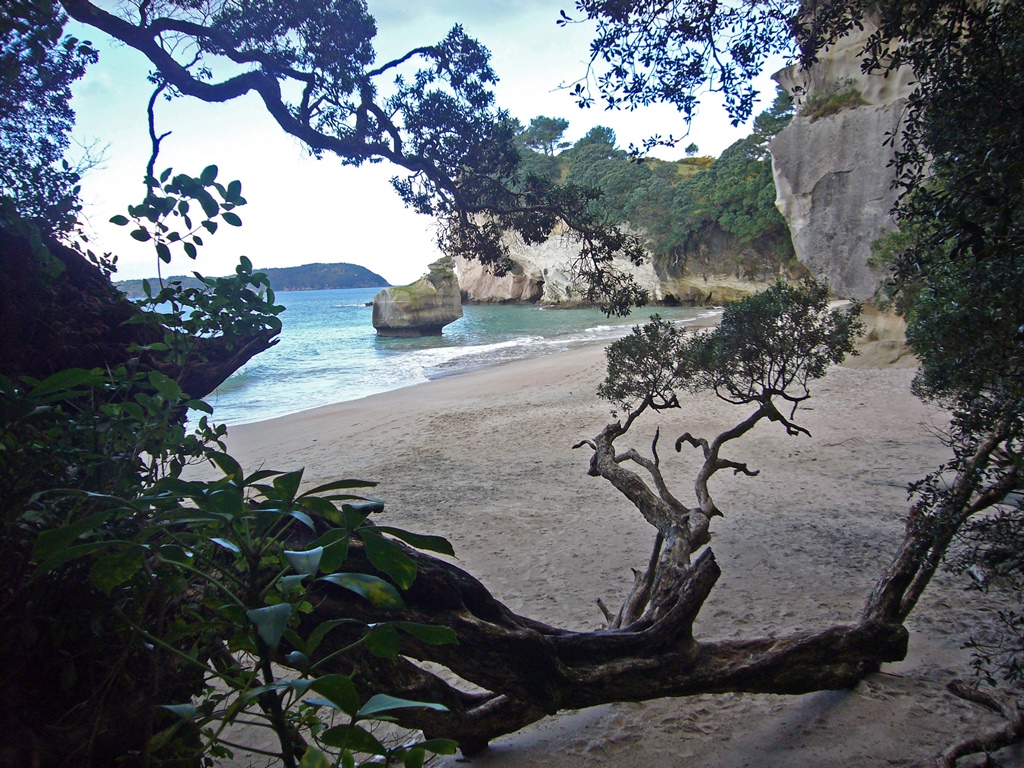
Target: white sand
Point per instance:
(485, 459)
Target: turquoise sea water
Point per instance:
(329, 351)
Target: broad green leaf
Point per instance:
(52, 541)
(163, 253)
(271, 622)
(119, 220)
(305, 562)
(413, 758)
(229, 545)
(381, 702)
(321, 630)
(225, 501)
(419, 540)
(287, 485)
(303, 518)
(338, 485)
(190, 250)
(228, 465)
(231, 218)
(321, 508)
(438, 746)
(339, 690)
(431, 634)
(208, 175)
(352, 737)
(234, 190)
(165, 385)
(314, 758)
(334, 555)
(260, 474)
(386, 556)
(66, 380)
(383, 641)
(115, 569)
(374, 589)
(298, 660)
(140, 234)
(367, 507)
(210, 206)
(289, 583)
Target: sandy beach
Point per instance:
(486, 460)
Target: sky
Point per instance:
(301, 210)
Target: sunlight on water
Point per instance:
(329, 351)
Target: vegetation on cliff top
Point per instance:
(697, 214)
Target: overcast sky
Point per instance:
(303, 210)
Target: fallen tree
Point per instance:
(764, 355)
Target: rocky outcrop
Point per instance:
(420, 309)
(542, 274)
(833, 173)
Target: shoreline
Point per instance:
(486, 460)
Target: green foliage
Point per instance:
(840, 95)
(680, 206)
(37, 68)
(232, 309)
(173, 202)
(674, 52)
(768, 345)
(219, 553)
(544, 134)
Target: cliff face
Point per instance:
(832, 173)
(541, 274)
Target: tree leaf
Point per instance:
(306, 562)
(374, 589)
(432, 634)
(338, 485)
(339, 690)
(438, 746)
(119, 220)
(381, 702)
(288, 583)
(208, 175)
(271, 622)
(314, 758)
(420, 541)
(383, 641)
(287, 485)
(231, 218)
(140, 234)
(353, 737)
(115, 569)
(386, 556)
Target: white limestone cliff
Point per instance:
(833, 174)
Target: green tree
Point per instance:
(544, 134)
(38, 66)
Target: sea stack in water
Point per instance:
(422, 308)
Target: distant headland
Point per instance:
(308, 277)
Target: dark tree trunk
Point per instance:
(59, 311)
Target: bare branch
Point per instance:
(1011, 732)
